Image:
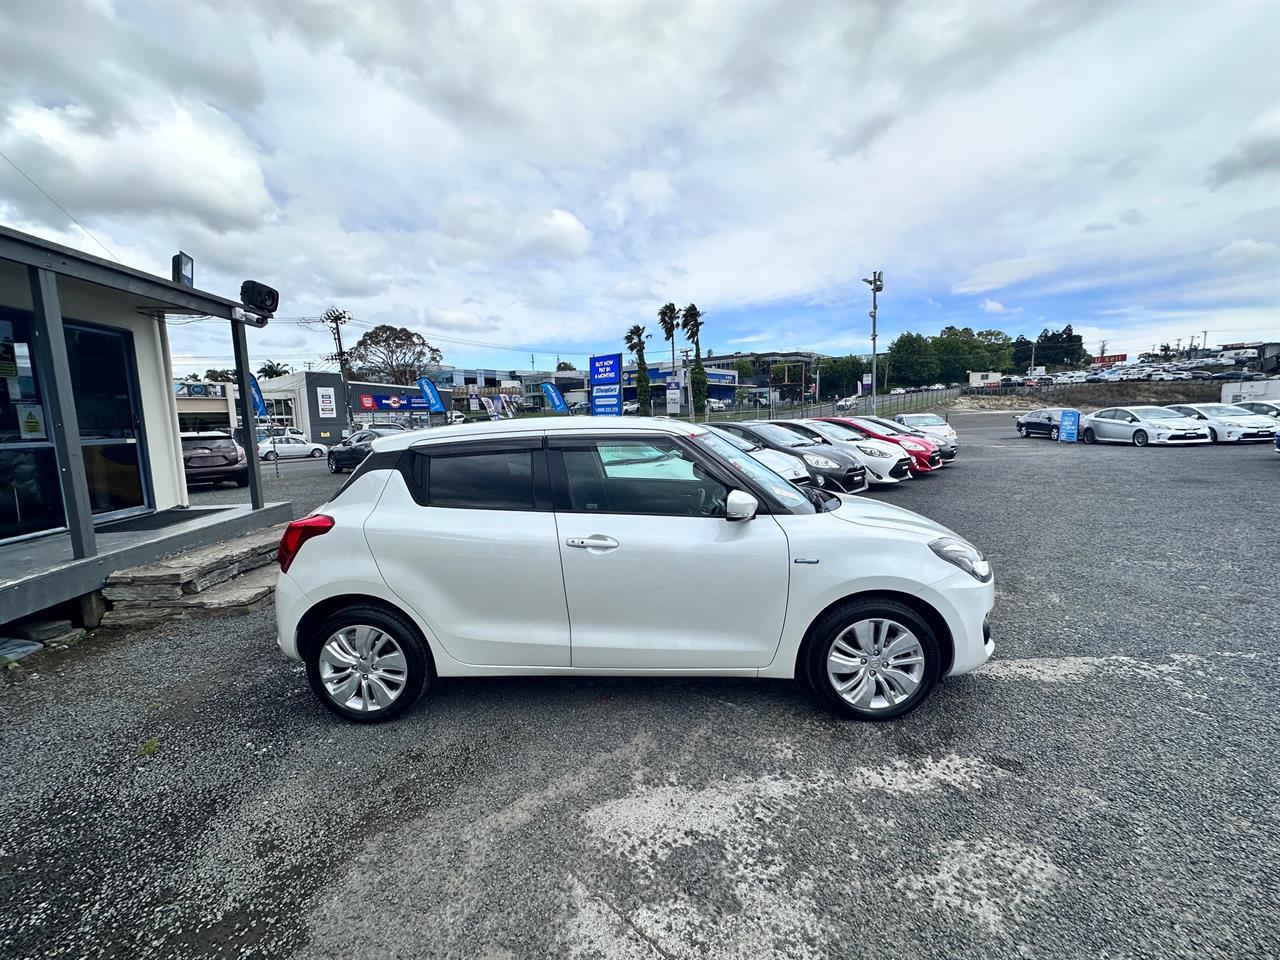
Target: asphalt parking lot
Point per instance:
(1108, 786)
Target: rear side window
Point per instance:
(207, 443)
(483, 480)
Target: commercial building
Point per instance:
(91, 468)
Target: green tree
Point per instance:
(913, 361)
(635, 338)
(564, 365)
(746, 371)
(691, 324)
(388, 354)
(270, 369)
(997, 349)
(225, 375)
(840, 376)
(1022, 351)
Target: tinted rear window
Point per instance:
(492, 480)
(207, 443)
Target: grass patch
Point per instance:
(149, 747)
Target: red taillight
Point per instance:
(298, 533)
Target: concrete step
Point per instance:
(240, 594)
(185, 574)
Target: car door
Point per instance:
(355, 448)
(464, 533)
(1122, 426)
(656, 578)
(1104, 426)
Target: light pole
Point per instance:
(876, 283)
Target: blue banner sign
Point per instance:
(1068, 426)
(555, 398)
(606, 369)
(606, 401)
(259, 405)
(431, 395)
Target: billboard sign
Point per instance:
(673, 398)
(326, 402)
(606, 401)
(606, 369)
(1108, 360)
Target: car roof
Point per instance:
(205, 435)
(537, 426)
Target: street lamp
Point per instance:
(876, 283)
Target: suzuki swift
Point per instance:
(522, 547)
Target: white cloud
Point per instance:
(1247, 253)
(992, 306)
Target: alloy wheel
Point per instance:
(333, 464)
(363, 668)
(1022, 432)
(1053, 435)
(1140, 438)
(875, 664)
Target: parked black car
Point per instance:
(213, 457)
(833, 468)
(1040, 423)
(347, 454)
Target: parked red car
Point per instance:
(924, 454)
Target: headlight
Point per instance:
(912, 446)
(822, 463)
(872, 451)
(963, 555)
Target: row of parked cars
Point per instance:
(846, 454)
(1176, 423)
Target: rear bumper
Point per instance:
(291, 604)
(234, 471)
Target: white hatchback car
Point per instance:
(521, 547)
(1227, 423)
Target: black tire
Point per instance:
(269, 456)
(811, 666)
(1140, 438)
(1023, 432)
(1213, 435)
(1089, 435)
(420, 671)
(333, 465)
(242, 482)
(316, 454)
(1053, 434)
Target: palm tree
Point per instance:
(271, 369)
(669, 320)
(691, 324)
(634, 339)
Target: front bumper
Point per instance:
(965, 604)
(1179, 439)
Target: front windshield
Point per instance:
(1224, 410)
(925, 420)
(1157, 413)
(886, 426)
(782, 491)
(746, 446)
(838, 431)
(781, 435)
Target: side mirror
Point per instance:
(740, 505)
(1133, 419)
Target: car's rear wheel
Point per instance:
(367, 664)
(333, 465)
(1140, 438)
(269, 455)
(1089, 435)
(871, 659)
(1023, 432)
(316, 454)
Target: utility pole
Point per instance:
(684, 368)
(336, 318)
(1204, 340)
(876, 283)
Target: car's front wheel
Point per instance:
(367, 664)
(1090, 436)
(871, 659)
(269, 456)
(1140, 438)
(316, 454)
(1023, 432)
(1213, 435)
(333, 465)
(1053, 434)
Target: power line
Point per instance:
(64, 210)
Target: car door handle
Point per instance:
(594, 542)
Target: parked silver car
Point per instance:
(1227, 423)
(784, 465)
(1141, 426)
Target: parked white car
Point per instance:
(1228, 423)
(630, 408)
(1140, 426)
(285, 448)
(1263, 408)
(929, 424)
(789, 468)
(885, 462)
(520, 547)
(716, 406)
(846, 404)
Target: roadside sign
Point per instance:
(489, 408)
(1068, 426)
(555, 398)
(606, 369)
(606, 401)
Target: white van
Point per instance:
(1237, 356)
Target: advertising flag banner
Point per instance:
(555, 398)
(431, 395)
(489, 408)
(259, 405)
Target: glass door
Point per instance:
(30, 495)
(110, 416)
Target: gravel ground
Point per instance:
(1106, 787)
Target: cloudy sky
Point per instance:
(517, 178)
